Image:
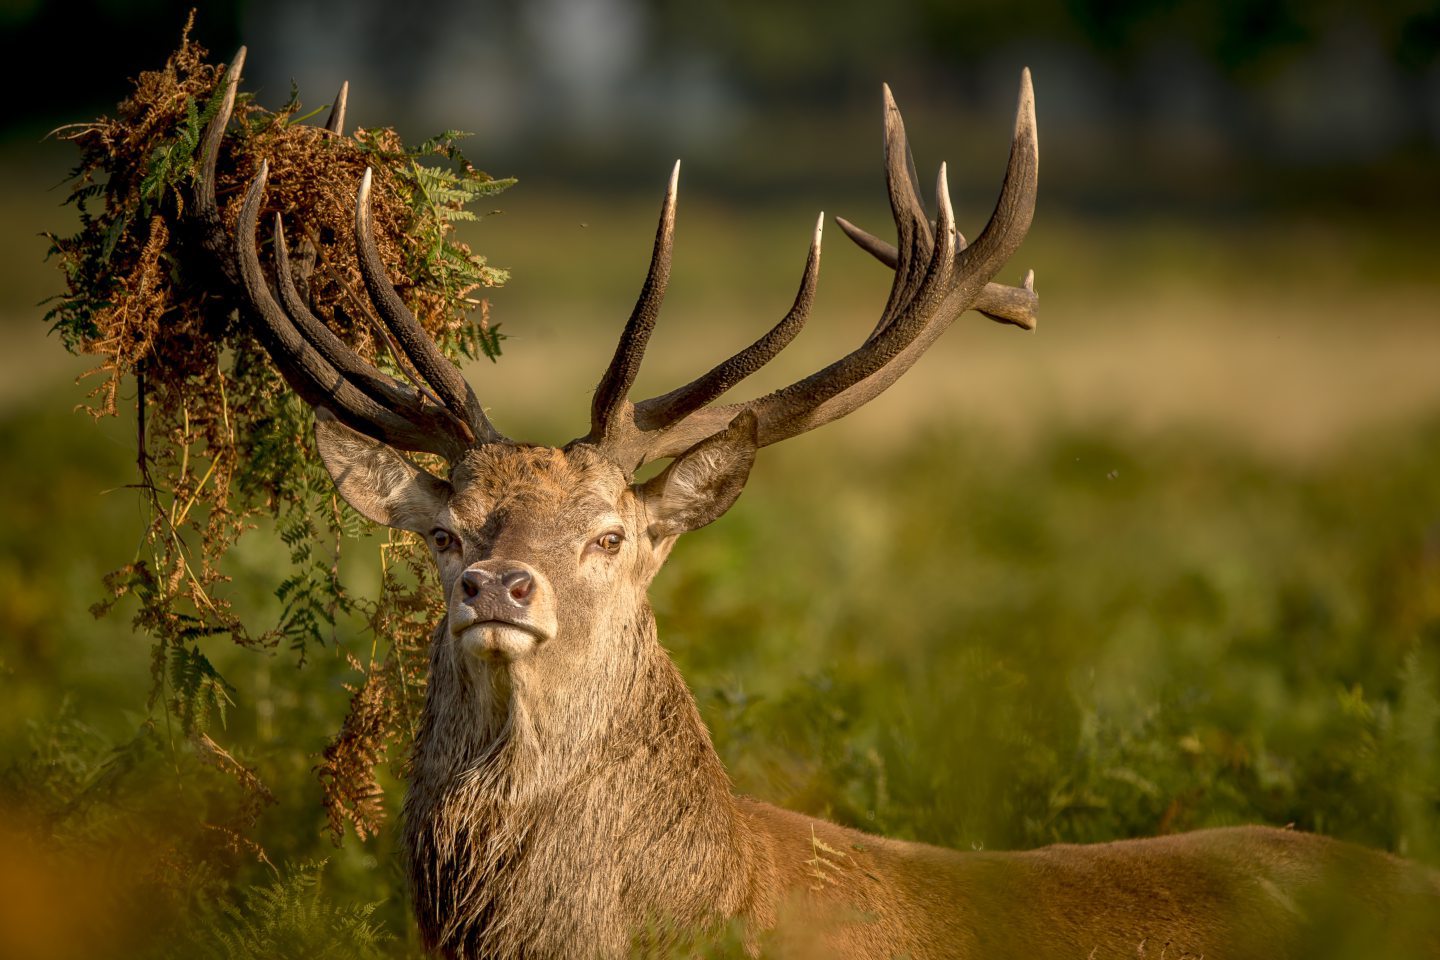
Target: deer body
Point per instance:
(565, 799)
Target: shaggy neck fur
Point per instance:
(538, 821)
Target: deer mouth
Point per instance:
(503, 639)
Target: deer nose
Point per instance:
(515, 585)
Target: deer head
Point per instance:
(544, 552)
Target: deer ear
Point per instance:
(376, 480)
(703, 482)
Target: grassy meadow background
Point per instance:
(1171, 561)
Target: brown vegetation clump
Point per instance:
(222, 444)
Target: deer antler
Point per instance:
(937, 277)
(439, 415)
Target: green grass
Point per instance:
(1095, 638)
(969, 642)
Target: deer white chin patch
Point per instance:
(498, 640)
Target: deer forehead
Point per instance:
(571, 487)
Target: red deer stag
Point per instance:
(564, 797)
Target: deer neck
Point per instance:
(623, 796)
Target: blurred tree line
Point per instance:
(1301, 83)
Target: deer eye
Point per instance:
(443, 539)
(610, 542)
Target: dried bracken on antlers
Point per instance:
(937, 277)
(442, 416)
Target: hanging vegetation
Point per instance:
(222, 445)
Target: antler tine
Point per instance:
(946, 237)
(441, 375)
(871, 244)
(662, 411)
(211, 233)
(336, 123)
(1016, 207)
(317, 381)
(380, 387)
(911, 224)
(612, 393)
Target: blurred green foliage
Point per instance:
(1093, 639)
(789, 48)
(972, 643)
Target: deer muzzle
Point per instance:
(502, 608)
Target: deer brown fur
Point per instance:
(565, 799)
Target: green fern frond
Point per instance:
(291, 917)
(197, 690)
